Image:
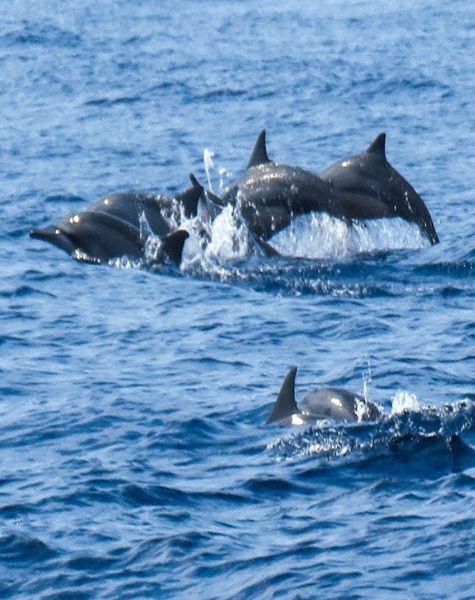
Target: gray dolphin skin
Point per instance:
(114, 227)
(325, 403)
(370, 173)
(269, 194)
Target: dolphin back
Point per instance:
(338, 404)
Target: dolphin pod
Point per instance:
(360, 187)
(325, 403)
(266, 198)
(120, 224)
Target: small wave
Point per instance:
(112, 101)
(157, 495)
(22, 548)
(42, 35)
(222, 93)
(464, 268)
(64, 199)
(25, 291)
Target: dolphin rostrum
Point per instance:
(120, 224)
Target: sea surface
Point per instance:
(134, 457)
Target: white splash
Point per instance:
(403, 402)
(367, 379)
(361, 409)
(318, 235)
(297, 420)
(208, 156)
(145, 229)
(229, 240)
(224, 176)
(223, 240)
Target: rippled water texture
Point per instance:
(135, 459)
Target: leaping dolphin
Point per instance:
(269, 195)
(119, 225)
(324, 403)
(371, 174)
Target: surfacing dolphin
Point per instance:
(120, 224)
(269, 195)
(371, 174)
(325, 403)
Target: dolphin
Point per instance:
(269, 195)
(119, 225)
(371, 174)
(325, 403)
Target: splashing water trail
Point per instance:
(367, 379)
(208, 156)
(320, 236)
(212, 246)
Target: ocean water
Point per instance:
(134, 457)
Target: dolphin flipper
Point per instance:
(172, 245)
(285, 405)
(213, 198)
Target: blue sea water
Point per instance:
(135, 460)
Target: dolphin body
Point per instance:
(371, 174)
(325, 403)
(269, 194)
(119, 225)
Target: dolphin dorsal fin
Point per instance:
(194, 181)
(259, 154)
(378, 146)
(285, 405)
(209, 195)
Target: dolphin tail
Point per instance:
(172, 245)
(259, 154)
(285, 405)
